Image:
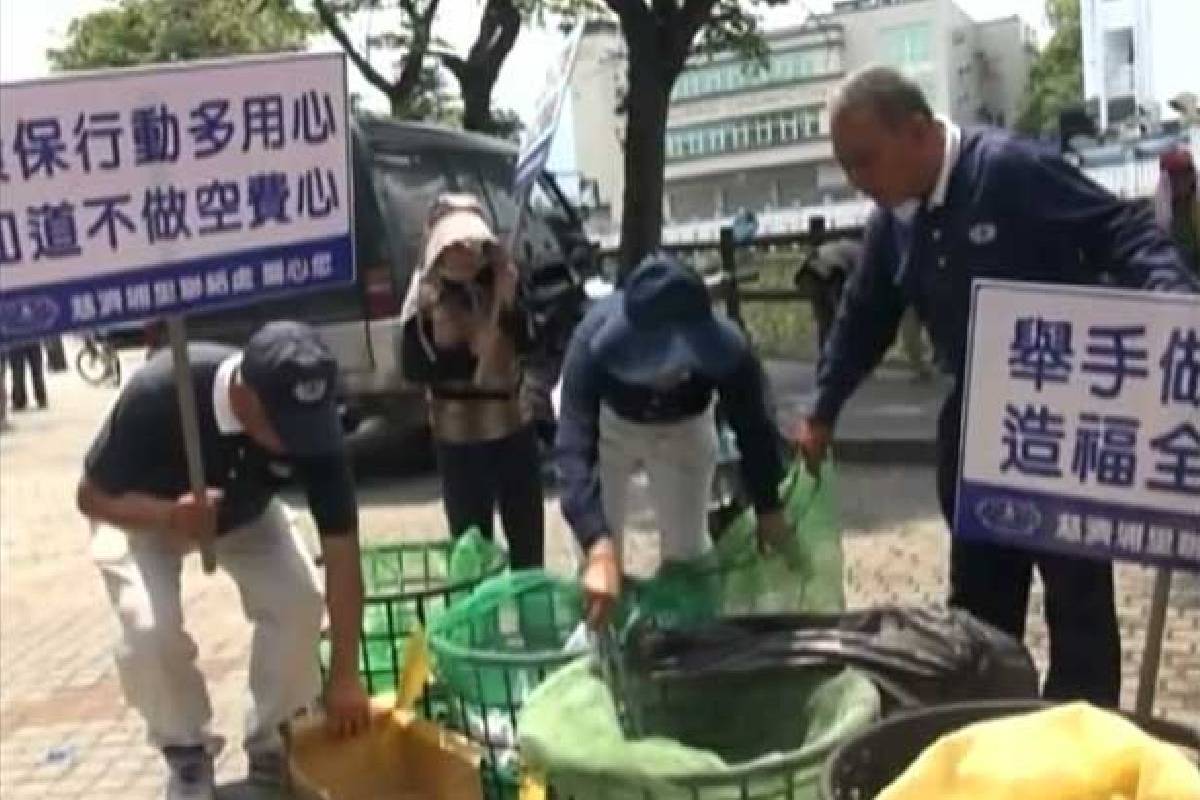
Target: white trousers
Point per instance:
(156, 657)
(680, 459)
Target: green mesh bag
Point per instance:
(736, 579)
(806, 576)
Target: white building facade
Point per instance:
(1137, 56)
(744, 136)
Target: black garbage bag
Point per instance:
(917, 656)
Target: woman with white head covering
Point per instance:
(465, 329)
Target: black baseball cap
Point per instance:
(295, 376)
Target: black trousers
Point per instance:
(992, 582)
(20, 357)
(56, 356)
(825, 296)
(478, 477)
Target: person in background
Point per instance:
(639, 383)
(27, 355)
(267, 414)
(951, 206)
(912, 343)
(826, 272)
(465, 328)
(1177, 204)
(823, 275)
(56, 355)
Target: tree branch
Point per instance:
(427, 19)
(498, 30)
(410, 10)
(694, 16)
(452, 62)
(414, 61)
(334, 26)
(629, 12)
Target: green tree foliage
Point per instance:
(136, 32)
(1056, 77)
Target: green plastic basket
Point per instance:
(492, 650)
(405, 584)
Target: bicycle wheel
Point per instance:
(92, 366)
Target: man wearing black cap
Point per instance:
(266, 414)
(639, 380)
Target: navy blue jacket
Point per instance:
(586, 384)
(1014, 211)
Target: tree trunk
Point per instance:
(476, 90)
(498, 30)
(647, 105)
(398, 103)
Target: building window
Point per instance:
(807, 63)
(741, 135)
(715, 141)
(1118, 62)
(759, 130)
(788, 131)
(763, 125)
(736, 76)
(908, 45)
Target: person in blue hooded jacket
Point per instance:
(951, 206)
(640, 380)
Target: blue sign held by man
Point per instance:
(1089, 443)
(145, 192)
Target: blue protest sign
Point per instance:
(127, 194)
(1081, 422)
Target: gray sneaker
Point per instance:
(191, 773)
(268, 770)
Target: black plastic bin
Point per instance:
(866, 764)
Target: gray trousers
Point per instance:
(156, 656)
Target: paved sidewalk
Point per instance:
(64, 732)
(891, 419)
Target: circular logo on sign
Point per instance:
(1006, 515)
(28, 316)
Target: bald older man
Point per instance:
(951, 206)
